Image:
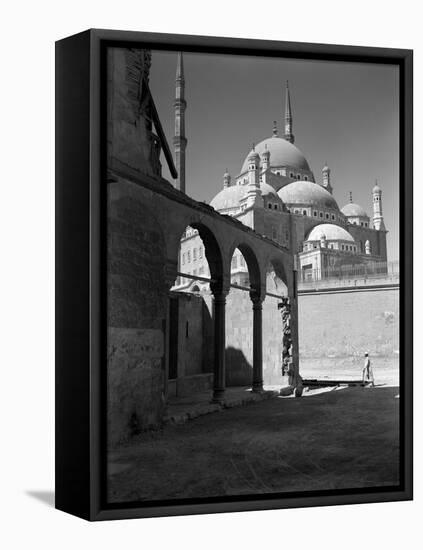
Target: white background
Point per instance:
(28, 32)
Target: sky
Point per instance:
(345, 114)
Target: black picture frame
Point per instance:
(80, 273)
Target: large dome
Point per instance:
(307, 192)
(282, 153)
(353, 209)
(331, 232)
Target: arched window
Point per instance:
(194, 253)
(183, 259)
(304, 212)
(189, 256)
(327, 216)
(305, 178)
(315, 213)
(321, 214)
(275, 206)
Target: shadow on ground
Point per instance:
(334, 440)
(46, 497)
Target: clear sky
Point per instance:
(345, 114)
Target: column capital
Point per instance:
(220, 289)
(257, 297)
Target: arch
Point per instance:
(212, 250)
(252, 262)
(278, 265)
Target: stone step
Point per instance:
(201, 409)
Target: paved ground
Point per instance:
(344, 438)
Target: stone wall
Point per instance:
(137, 304)
(346, 324)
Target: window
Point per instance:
(342, 247)
(194, 253)
(333, 216)
(365, 224)
(296, 211)
(305, 178)
(274, 234)
(269, 205)
(200, 252)
(321, 214)
(298, 176)
(189, 256)
(234, 262)
(242, 261)
(304, 212)
(315, 213)
(275, 206)
(183, 259)
(327, 216)
(291, 174)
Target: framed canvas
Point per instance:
(233, 274)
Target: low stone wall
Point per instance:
(347, 324)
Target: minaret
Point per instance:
(326, 178)
(289, 136)
(378, 222)
(253, 194)
(180, 141)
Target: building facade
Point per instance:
(277, 195)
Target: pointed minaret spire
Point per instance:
(180, 141)
(289, 136)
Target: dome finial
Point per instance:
(275, 129)
(351, 196)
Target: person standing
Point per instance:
(368, 371)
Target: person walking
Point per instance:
(368, 371)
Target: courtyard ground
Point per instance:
(342, 438)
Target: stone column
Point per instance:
(257, 344)
(219, 313)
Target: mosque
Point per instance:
(277, 195)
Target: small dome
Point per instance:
(354, 210)
(376, 189)
(228, 197)
(253, 155)
(331, 231)
(307, 192)
(269, 191)
(282, 153)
